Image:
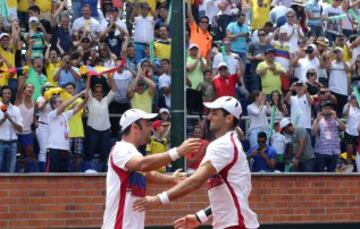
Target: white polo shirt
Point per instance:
(122, 189)
(144, 29)
(230, 188)
(7, 130)
(59, 130)
(99, 111)
(90, 25)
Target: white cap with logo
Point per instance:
(228, 103)
(284, 123)
(132, 115)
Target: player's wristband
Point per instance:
(164, 198)
(173, 154)
(201, 216)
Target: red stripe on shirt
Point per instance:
(123, 176)
(224, 174)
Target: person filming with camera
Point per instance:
(68, 74)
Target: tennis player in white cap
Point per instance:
(224, 167)
(125, 180)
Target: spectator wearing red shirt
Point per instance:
(194, 158)
(225, 84)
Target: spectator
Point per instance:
(68, 74)
(355, 47)
(162, 46)
(87, 24)
(98, 123)
(36, 37)
(43, 22)
(257, 112)
(238, 33)
(164, 115)
(195, 66)
(58, 142)
(141, 96)
(280, 107)
(260, 13)
(351, 135)
(230, 58)
(52, 63)
(76, 131)
(165, 81)
(256, 55)
(60, 32)
(26, 106)
(314, 13)
(279, 142)
(35, 75)
(194, 158)
(278, 15)
(300, 105)
(206, 87)
(338, 79)
(106, 56)
(355, 77)
(161, 20)
(333, 27)
(144, 29)
(10, 123)
(42, 131)
(323, 95)
(158, 141)
(341, 43)
(304, 158)
(293, 29)
(268, 27)
(130, 62)
(263, 156)
(270, 72)
(326, 128)
(225, 84)
(199, 34)
(312, 85)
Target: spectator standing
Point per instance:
(270, 73)
(107, 57)
(194, 158)
(333, 27)
(36, 37)
(10, 123)
(35, 75)
(314, 14)
(351, 135)
(199, 34)
(326, 128)
(162, 45)
(313, 86)
(260, 13)
(276, 100)
(279, 142)
(304, 158)
(230, 58)
(206, 87)
(165, 81)
(263, 156)
(355, 77)
(195, 66)
(25, 138)
(52, 63)
(98, 123)
(257, 112)
(89, 25)
(293, 29)
(338, 79)
(58, 142)
(239, 34)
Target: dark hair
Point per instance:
(70, 83)
(254, 95)
(127, 129)
(240, 14)
(34, 8)
(235, 120)
(309, 72)
(205, 17)
(279, 102)
(165, 26)
(96, 86)
(165, 60)
(262, 134)
(53, 100)
(5, 87)
(86, 5)
(262, 29)
(206, 71)
(268, 23)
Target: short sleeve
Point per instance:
(52, 115)
(109, 97)
(261, 66)
(272, 153)
(301, 133)
(163, 82)
(218, 155)
(68, 114)
(121, 154)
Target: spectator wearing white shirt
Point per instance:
(143, 30)
(10, 123)
(352, 113)
(58, 141)
(86, 23)
(293, 29)
(165, 81)
(231, 59)
(333, 27)
(98, 123)
(257, 112)
(338, 79)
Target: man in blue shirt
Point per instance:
(263, 155)
(238, 33)
(314, 11)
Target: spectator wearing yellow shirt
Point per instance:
(141, 97)
(52, 63)
(158, 142)
(162, 46)
(12, 7)
(76, 131)
(260, 13)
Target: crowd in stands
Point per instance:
(293, 64)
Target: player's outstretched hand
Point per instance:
(145, 203)
(179, 176)
(187, 222)
(188, 146)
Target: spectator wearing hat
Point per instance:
(314, 14)
(10, 123)
(239, 33)
(338, 79)
(140, 96)
(352, 113)
(293, 29)
(304, 157)
(143, 30)
(333, 27)
(231, 59)
(195, 66)
(270, 73)
(355, 77)
(256, 55)
(327, 127)
(263, 156)
(300, 105)
(199, 34)
(87, 24)
(158, 141)
(225, 84)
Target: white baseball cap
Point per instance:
(35, 19)
(222, 64)
(228, 103)
(193, 45)
(4, 35)
(162, 110)
(132, 115)
(284, 122)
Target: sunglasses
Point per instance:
(222, 69)
(261, 34)
(205, 22)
